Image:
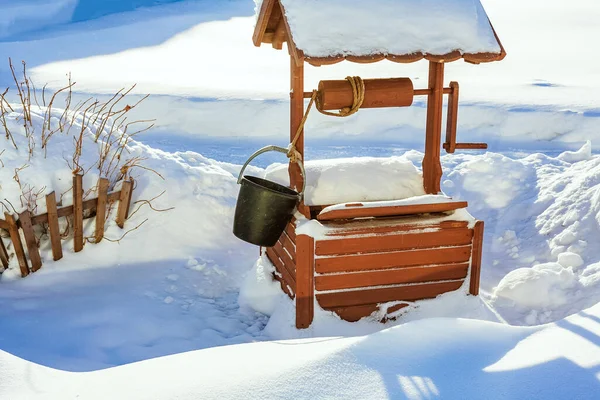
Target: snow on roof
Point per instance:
(334, 28)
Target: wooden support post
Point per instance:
(101, 209)
(57, 253)
(476, 258)
(3, 254)
(124, 199)
(305, 281)
(30, 240)
(78, 212)
(432, 168)
(15, 237)
(296, 114)
(452, 120)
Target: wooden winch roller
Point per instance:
(379, 93)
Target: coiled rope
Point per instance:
(358, 97)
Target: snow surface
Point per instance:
(355, 179)
(20, 16)
(172, 286)
(356, 27)
(446, 358)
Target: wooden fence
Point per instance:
(20, 226)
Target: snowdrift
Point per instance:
(436, 358)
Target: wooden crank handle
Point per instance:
(467, 146)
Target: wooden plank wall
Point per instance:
(354, 274)
(283, 257)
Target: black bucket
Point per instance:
(263, 207)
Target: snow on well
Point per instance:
(356, 27)
(355, 179)
(447, 358)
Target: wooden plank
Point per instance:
(3, 254)
(290, 230)
(476, 258)
(55, 238)
(66, 211)
(280, 35)
(30, 240)
(400, 293)
(432, 168)
(387, 92)
(288, 263)
(355, 313)
(452, 120)
(471, 146)
(279, 266)
(305, 286)
(78, 212)
(284, 286)
(396, 259)
(15, 237)
(263, 20)
(123, 209)
(101, 209)
(407, 241)
(365, 212)
(352, 228)
(391, 277)
(288, 245)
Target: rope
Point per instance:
(358, 97)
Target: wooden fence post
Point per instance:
(3, 254)
(124, 199)
(305, 281)
(101, 209)
(78, 212)
(30, 240)
(57, 253)
(15, 237)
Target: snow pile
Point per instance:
(20, 16)
(539, 264)
(355, 27)
(199, 195)
(447, 358)
(355, 179)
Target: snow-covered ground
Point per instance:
(172, 286)
(444, 358)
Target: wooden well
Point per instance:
(376, 257)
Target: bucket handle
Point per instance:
(280, 150)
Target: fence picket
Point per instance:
(30, 240)
(3, 254)
(101, 209)
(78, 212)
(123, 209)
(15, 236)
(57, 253)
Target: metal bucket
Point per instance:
(264, 208)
